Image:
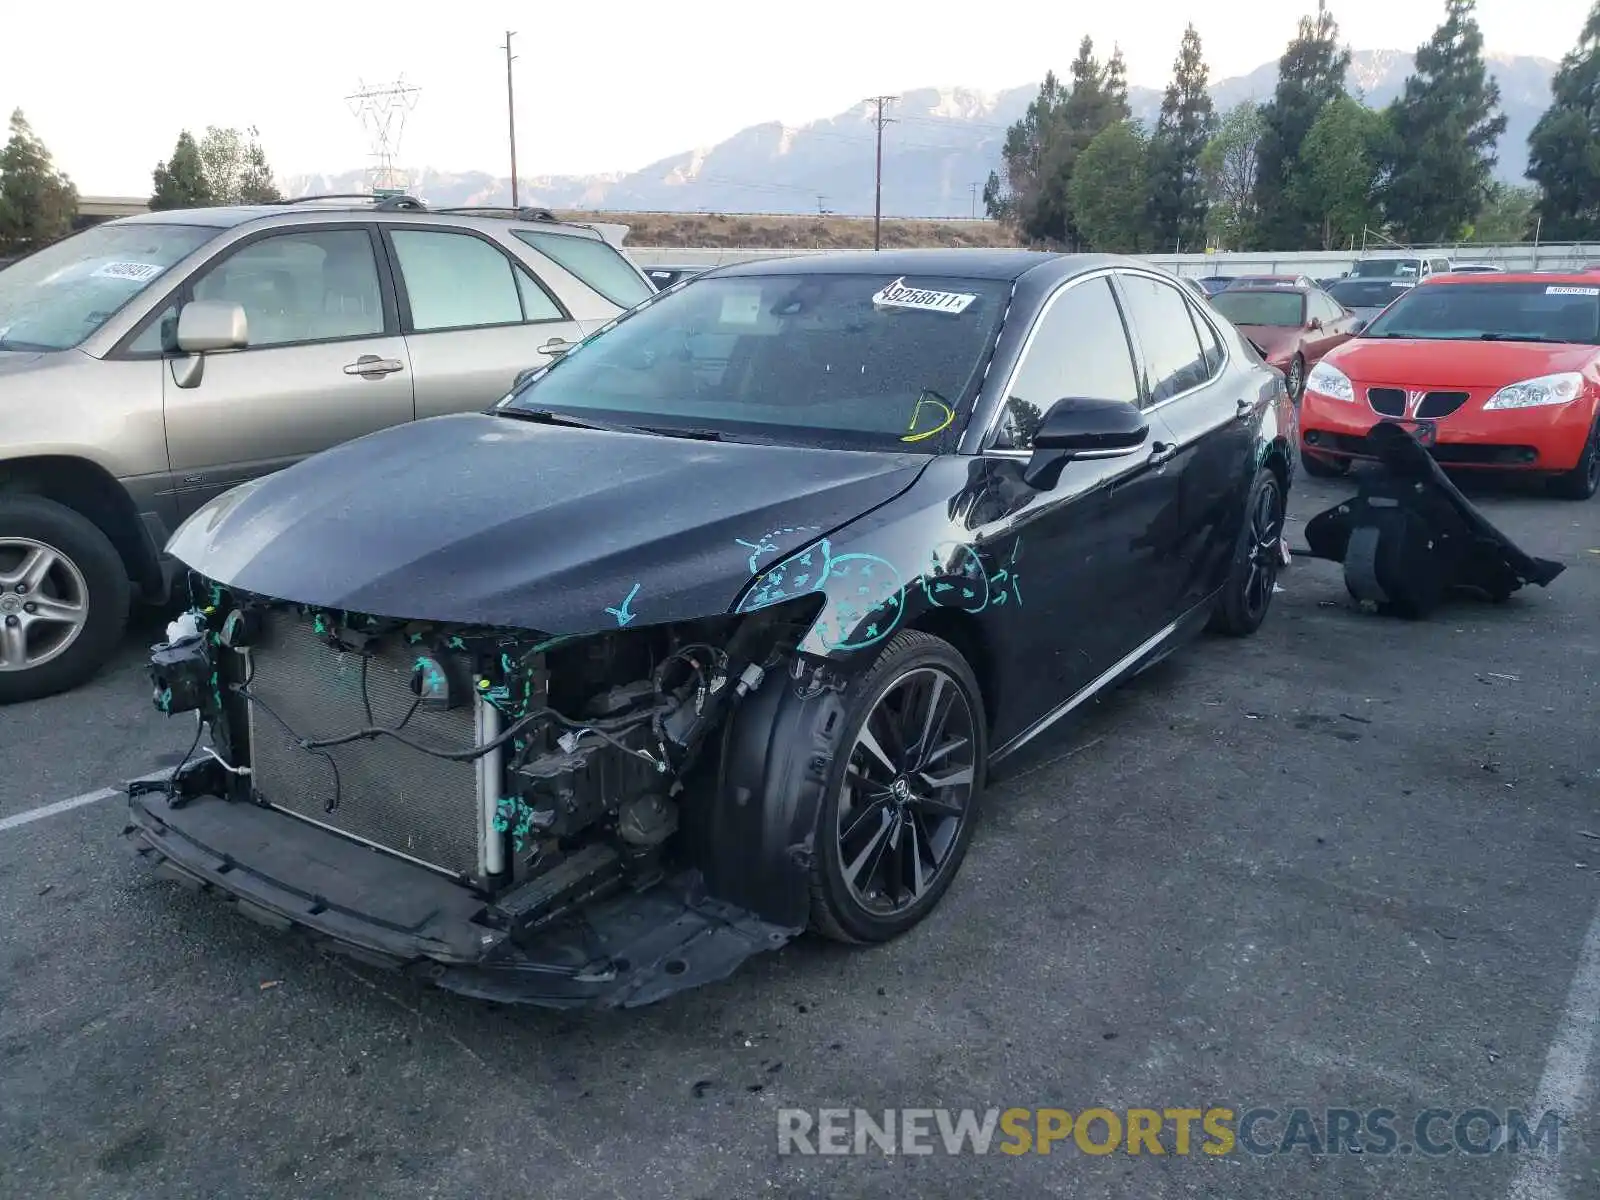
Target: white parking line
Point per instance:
(61, 806)
(1566, 1070)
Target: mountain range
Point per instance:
(936, 155)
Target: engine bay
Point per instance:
(541, 772)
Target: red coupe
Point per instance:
(1292, 326)
(1488, 371)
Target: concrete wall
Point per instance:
(1317, 264)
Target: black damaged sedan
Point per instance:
(709, 632)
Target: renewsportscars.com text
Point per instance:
(1430, 1132)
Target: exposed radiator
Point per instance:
(386, 792)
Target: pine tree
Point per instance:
(180, 182)
(1187, 121)
(1310, 77)
(1564, 148)
(1445, 127)
(1042, 148)
(37, 202)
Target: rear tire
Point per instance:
(1583, 480)
(894, 825)
(1324, 468)
(1295, 379)
(73, 566)
(1247, 596)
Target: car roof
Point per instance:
(231, 216)
(1000, 263)
(1496, 278)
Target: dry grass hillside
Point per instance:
(740, 231)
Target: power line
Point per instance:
(511, 114)
(877, 203)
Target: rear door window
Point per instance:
(458, 281)
(597, 263)
(1174, 359)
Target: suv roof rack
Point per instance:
(392, 203)
(522, 213)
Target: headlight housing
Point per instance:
(1327, 380)
(1561, 388)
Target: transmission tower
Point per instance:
(382, 111)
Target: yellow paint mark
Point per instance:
(949, 419)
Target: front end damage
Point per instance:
(510, 815)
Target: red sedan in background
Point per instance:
(1293, 326)
(1496, 372)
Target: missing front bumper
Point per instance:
(621, 952)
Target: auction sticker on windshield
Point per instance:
(741, 308)
(134, 271)
(898, 295)
(1572, 291)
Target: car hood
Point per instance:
(14, 361)
(1440, 363)
(1274, 339)
(479, 519)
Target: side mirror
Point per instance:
(1315, 325)
(205, 325)
(1082, 428)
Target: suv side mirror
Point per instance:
(206, 325)
(1077, 427)
(212, 325)
(1315, 324)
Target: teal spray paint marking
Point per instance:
(623, 613)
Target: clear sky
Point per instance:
(605, 86)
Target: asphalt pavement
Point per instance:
(1348, 863)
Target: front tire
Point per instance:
(1247, 596)
(1583, 480)
(64, 598)
(902, 793)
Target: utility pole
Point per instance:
(511, 114)
(974, 188)
(877, 205)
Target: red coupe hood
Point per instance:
(1274, 339)
(1454, 364)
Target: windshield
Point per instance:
(1261, 308)
(55, 298)
(1385, 268)
(855, 361)
(1366, 293)
(1530, 312)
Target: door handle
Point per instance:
(1163, 452)
(370, 365)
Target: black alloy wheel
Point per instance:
(898, 817)
(1247, 596)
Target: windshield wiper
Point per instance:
(545, 416)
(1519, 337)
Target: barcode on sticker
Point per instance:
(1560, 290)
(898, 295)
(138, 272)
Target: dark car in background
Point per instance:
(1293, 327)
(710, 630)
(1366, 298)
